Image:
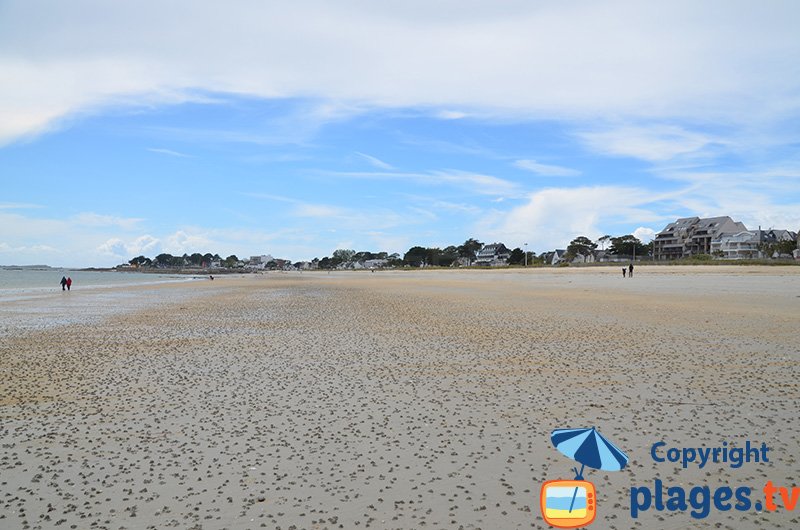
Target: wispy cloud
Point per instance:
(18, 205)
(546, 170)
(169, 152)
(657, 143)
(474, 182)
(440, 205)
(439, 145)
(321, 211)
(271, 197)
(380, 164)
(451, 115)
(97, 220)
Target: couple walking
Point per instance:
(66, 283)
(629, 270)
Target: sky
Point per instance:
(296, 128)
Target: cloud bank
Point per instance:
(613, 60)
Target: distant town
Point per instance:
(690, 238)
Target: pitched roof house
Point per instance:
(493, 255)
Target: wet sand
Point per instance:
(393, 399)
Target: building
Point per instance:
(493, 255)
(556, 256)
(259, 262)
(375, 263)
(690, 236)
(773, 236)
(751, 244)
(743, 245)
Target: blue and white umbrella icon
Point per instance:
(588, 447)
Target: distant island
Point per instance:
(27, 267)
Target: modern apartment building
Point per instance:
(690, 236)
(750, 244)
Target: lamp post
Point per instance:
(526, 254)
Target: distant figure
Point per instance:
(63, 283)
(69, 283)
(624, 270)
(630, 270)
(211, 277)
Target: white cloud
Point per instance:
(621, 59)
(546, 169)
(182, 242)
(765, 196)
(113, 247)
(656, 143)
(142, 245)
(552, 217)
(644, 234)
(98, 220)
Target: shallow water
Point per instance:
(23, 284)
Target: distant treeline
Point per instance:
(416, 256)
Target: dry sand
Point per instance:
(392, 399)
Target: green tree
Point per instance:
(517, 257)
(580, 246)
(164, 260)
(140, 261)
(627, 245)
(769, 249)
(603, 241)
(469, 248)
(415, 256)
(448, 256)
(343, 255)
(231, 261)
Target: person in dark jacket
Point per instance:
(630, 270)
(63, 283)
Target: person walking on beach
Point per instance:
(69, 283)
(630, 270)
(623, 271)
(63, 283)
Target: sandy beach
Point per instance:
(399, 399)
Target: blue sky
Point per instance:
(297, 129)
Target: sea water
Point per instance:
(32, 300)
(16, 284)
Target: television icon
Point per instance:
(568, 503)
